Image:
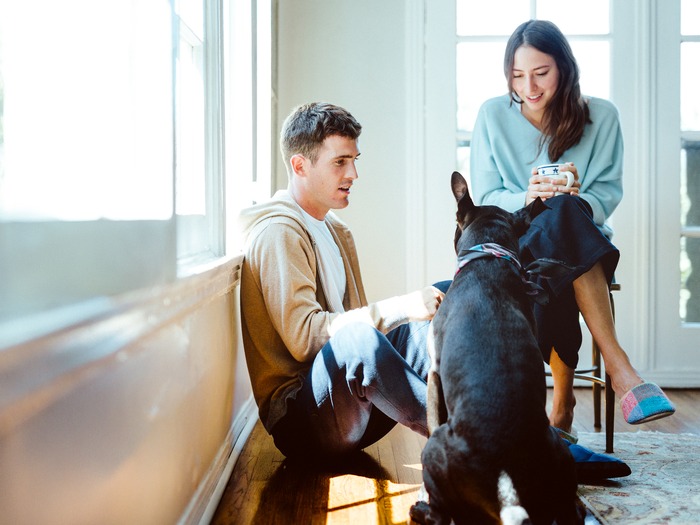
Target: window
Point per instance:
(113, 137)
(86, 191)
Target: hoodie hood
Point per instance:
(281, 204)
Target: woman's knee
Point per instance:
(571, 205)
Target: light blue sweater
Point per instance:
(504, 151)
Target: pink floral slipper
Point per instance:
(645, 402)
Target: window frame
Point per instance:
(200, 236)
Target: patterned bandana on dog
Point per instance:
(491, 249)
(486, 250)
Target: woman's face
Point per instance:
(535, 80)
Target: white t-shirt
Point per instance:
(331, 265)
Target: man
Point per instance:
(330, 373)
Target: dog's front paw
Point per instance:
(418, 513)
(424, 514)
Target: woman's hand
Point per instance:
(545, 187)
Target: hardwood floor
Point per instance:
(381, 483)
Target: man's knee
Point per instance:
(355, 331)
(361, 341)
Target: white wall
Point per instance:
(365, 55)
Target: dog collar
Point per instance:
(491, 249)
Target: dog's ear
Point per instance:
(536, 207)
(459, 187)
(523, 217)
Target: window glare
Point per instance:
(690, 78)
(690, 17)
(593, 60)
(190, 186)
(87, 118)
(497, 17)
(573, 18)
(479, 77)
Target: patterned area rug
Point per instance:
(664, 487)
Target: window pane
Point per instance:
(594, 65)
(190, 186)
(87, 121)
(690, 17)
(690, 80)
(496, 17)
(573, 19)
(690, 183)
(690, 217)
(479, 77)
(690, 280)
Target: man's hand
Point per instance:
(422, 305)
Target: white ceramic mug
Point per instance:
(552, 171)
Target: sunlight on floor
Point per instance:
(348, 502)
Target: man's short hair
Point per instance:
(305, 129)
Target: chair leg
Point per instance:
(609, 415)
(609, 393)
(596, 387)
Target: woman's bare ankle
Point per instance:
(562, 414)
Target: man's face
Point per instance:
(326, 183)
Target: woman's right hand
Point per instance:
(539, 187)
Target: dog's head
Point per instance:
(488, 224)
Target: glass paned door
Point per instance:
(676, 196)
(690, 172)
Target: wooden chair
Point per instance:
(594, 375)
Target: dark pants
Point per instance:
(359, 386)
(566, 232)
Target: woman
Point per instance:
(545, 120)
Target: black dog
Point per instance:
(486, 390)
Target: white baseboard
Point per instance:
(205, 500)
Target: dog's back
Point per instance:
(491, 367)
(491, 391)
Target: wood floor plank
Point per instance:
(379, 485)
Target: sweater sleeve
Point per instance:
(601, 184)
(491, 184)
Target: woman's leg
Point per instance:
(566, 232)
(593, 298)
(563, 399)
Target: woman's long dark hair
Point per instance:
(567, 113)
